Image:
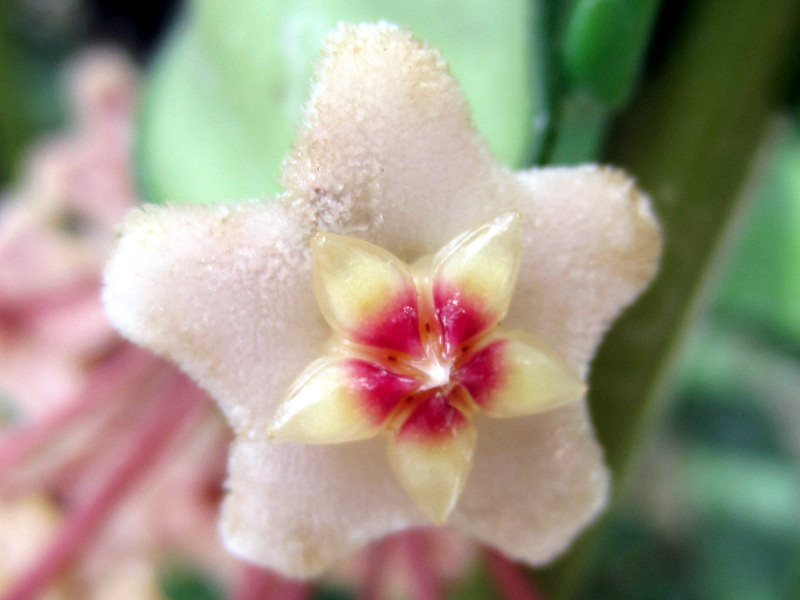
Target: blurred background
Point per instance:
(696, 391)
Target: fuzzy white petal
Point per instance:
(590, 246)
(300, 509)
(225, 291)
(535, 483)
(388, 128)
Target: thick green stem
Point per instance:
(543, 76)
(600, 49)
(689, 139)
(14, 132)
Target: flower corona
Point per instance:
(417, 352)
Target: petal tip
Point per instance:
(274, 433)
(318, 240)
(512, 218)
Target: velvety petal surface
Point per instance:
(590, 240)
(387, 155)
(535, 483)
(389, 128)
(226, 292)
(590, 245)
(300, 509)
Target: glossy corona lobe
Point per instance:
(365, 293)
(512, 374)
(339, 400)
(431, 452)
(421, 381)
(387, 154)
(473, 279)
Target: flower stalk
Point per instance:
(122, 370)
(171, 413)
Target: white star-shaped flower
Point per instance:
(388, 156)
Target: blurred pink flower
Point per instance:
(392, 568)
(55, 230)
(91, 414)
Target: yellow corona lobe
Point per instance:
(513, 374)
(431, 455)
(482, 263)
(322, 408)
(366, 293)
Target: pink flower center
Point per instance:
(439, 385)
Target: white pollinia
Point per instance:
(387, 154)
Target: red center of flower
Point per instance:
(432, 392)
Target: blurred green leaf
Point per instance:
(31, 98)
(182, 581)
(544, 78)
(329, 592)
(227, 92)
(477, 585)
(690, 142)
(791, 584)
(604, 46)
(734, 561)
(601, 45)
(689, 139)
(729, 355)
(764, 282)
(727, 419)
(192, 144)
(763, 492)
(582, 125)
(14, 129)
(640, 563)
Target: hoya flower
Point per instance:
(387, 170)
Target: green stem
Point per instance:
(543, 75)
(583, 123)
(689, 139)
(601, 46)
(13, 130)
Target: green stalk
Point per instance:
(14, 132)
(690, 141)
(600, 45)
(543, 79)
(689, 138)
